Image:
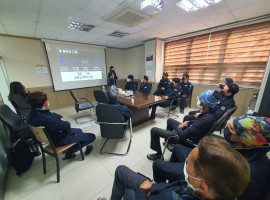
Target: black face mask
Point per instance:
(227, 134)
(221, 86)
(183, 79)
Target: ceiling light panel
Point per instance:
(81, 26)
(193, 5)
(118, 34)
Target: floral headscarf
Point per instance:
(254, 131)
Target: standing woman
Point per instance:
(112, 77)
(19, 96)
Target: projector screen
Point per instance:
(76, 65)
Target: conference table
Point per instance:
(139, 103)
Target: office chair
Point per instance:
(18, 129)
(112, 125)
(100, 96)
(42, 138)
(191, 144)
(16, 107)
(80, 105)
(228, 115)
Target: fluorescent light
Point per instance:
(193, 5)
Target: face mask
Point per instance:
(227, 134)
(142, 80)
(186, 178)
(199, 104)
(221, 86)
(127, 80)
(183, 79)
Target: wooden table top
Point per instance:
(140, 100)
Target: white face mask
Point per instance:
(127, 80)
(199, 104)
(186, 178)
(142, 80)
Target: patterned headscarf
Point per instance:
(254, 131)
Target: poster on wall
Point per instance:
(149, 65)
(42, 69)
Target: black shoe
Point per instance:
(68, 156)
(152, 117)
(153, 156)
(173, 107)
(88, 149)
(182, 111)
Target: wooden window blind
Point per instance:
(239, 53)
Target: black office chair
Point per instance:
(136, 86)
(191, 144)
(112, 125)
(100, 96)
(228, 115)
(17, 128)
(171, 107)
(16, 107)
(80, 105)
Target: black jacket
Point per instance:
(259, 172)
(185, 87)
(164, 83)
(226, 102)
(145, 88)
(199, 127)
(130, 86)
(173, 92)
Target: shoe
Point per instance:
(182, 111)
(153, 156)
(68, 156)
(173, 107)
(152, 118)
(88, 149)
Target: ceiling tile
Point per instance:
(54, 19)
(88, 18)
(101, 7)
(216, 20)
(33, 5)
(18, 13)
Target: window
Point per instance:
(239, 53)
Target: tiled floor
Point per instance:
(91, 178)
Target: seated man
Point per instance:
(208, 100)
(252, 143)
(145, 86)
(130, 85)
(226, 100)
(112, 96)
(172, 93)
(58, 129)
(163, 85)
(185, 87)
(213, 170)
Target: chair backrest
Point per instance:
(110, 114)
(223, 120)
(100, 96)
(136, 86)
(9, 118)
(73, 96)
(39, 133)
(226, 117)
(16, 107)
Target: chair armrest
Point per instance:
(112, 123)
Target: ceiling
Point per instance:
(49, 19)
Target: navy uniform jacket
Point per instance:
(145, 88)
(56, 128)
(131, 86)
(164, 83)
(167, 191)
(173, 93)
(189, 86)
(199, 127)
(226, 102)
(185, 87)
(259, 172)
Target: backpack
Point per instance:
(19, 156)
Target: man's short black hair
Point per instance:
(176, 80)
(186, 75)
(233, 88)
(37, 99)
(145, 77)
(165, 74)
(131, 77)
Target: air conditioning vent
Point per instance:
(128, 15)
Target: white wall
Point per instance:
(134, 62)
(21, 55)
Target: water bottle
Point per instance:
(103, 88)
